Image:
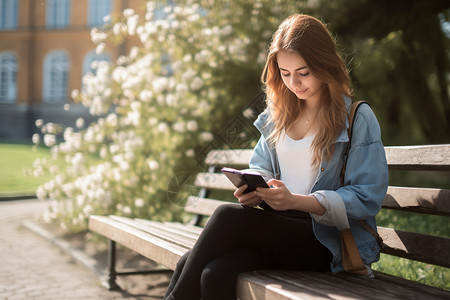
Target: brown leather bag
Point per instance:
(351, 259)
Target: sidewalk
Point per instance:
(32, 267)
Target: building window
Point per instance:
(57, 13)
(97, 11)
(90, 59)
(56, 70)
(8, 14)
(8, 77)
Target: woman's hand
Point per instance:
(250, 199)
(278, 196)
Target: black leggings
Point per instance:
(239, 239)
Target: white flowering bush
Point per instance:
(197, 66)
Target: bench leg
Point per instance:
(111, 283)
(112, 275)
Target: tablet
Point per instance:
(239, 178)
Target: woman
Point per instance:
(301, 154)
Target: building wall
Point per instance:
(30, 42)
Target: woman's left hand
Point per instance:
(278, 196)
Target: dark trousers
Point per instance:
(239, 239)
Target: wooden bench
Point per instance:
(165, 243)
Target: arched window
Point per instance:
(56, 70)
(57, 13)
(8, 77)
(97, 10)
(8, 14)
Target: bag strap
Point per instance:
(351, 120)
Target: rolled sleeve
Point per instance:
(335, 214)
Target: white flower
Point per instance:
(119, 74)
(49, 140)
(128, 12)
(99, 49)
(162, 127)
(171, 100)
(41, 193)
(132, 23)
(248, 113)
(36, 138)
(182, 88)
(187, 58)
(196, 83)
(39, 123)
(111, 120)
(139, 202)
(206, 136)
(77, 159)
(125, 166)
(188, 75)
(118, 28)
(88, 209)
(159, 84)
(117, 175)
(79, 123)
(127, 210)
(192, 125)
(153, 165)
(190, 153)
(178, 127)
(202, 56)
(146, 95)
(75, 93)
(226, 30)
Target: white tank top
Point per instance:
(295, 159)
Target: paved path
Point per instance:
(31, 267)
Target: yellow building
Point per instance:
(45, 48)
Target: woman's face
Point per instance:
(297, 77)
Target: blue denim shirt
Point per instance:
(365, 184)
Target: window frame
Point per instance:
(9, 14)
(57, 13)
(8, 77)
(56, 77)
(97, 10)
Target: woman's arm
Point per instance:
(366, 177)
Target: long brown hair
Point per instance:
(308, 37)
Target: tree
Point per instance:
(400, 63)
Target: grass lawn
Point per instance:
(15, 160)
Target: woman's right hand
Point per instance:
(249, 199)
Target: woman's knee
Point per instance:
(228, 210)
(216, 280)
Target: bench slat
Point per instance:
(416, 246)
(149, 246)
(383, 286)
(169, 228)
(163, 234)
(413, 289)
(214, 181)
(185, 227)
(330, 284)
(256, 286)
(235, 157)
(429, 201)
(427, 157)
(431, 157)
